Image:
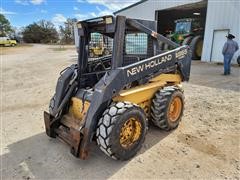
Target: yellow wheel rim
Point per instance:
(175, 109)
(130, 132)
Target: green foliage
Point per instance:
(5, 26)
(40, 32)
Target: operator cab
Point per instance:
(187, 25)
(97, 48)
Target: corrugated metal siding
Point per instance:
(146, 10)
(220, 15)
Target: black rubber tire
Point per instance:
(238, 60)
(187, 40)
(91, 54)
(193, 45)
(109, 128)
(161, 45)
(166, 47)
(160, 107)
(52, 104)
(106, 52)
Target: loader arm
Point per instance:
(177, 60)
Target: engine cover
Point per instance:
(78, 108)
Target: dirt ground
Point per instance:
(206, 144)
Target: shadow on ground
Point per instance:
(43, 158)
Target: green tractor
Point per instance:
(188, 31)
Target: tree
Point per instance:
(5, 26)
(17, 34)
(40, 32)
(67, 32)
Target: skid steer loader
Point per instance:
(110, 99)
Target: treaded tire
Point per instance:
(91, 54)
(52, 104)
(161, 105)
(161, 45)
(187, 40)
(166, 47)
(193, 45)
(106, 52)
(109, 128)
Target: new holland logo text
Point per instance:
(143, 67)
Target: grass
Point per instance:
(17, 46)
(24, 45)
(63, 47)
(11, 50)
(59, 49)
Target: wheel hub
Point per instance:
(175, 109)
(130, 132)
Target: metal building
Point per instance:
(221, 17)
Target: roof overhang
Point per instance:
(128, 7)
